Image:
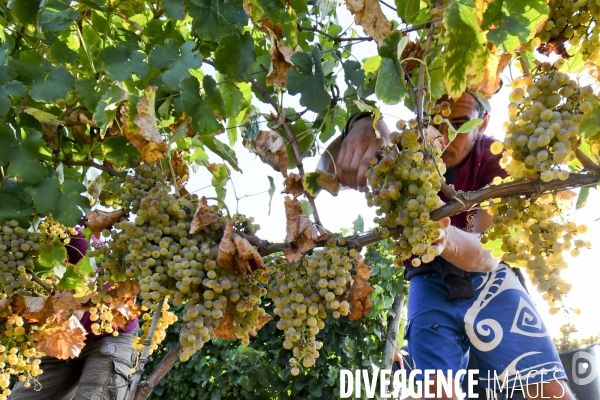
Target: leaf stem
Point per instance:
(40, 282)
(91, 163)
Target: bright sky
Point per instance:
(340, 212)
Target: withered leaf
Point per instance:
(180, 168)
(225, 328)
(434, 137)
(32, 309)
(271, 149)
(363, 270)
(490, 81)
(301, 234)
(97, 220)
(293, 185)
(358, 296)
(124, 311)
(64, 304)
(368, 14)
(61, 341)
(262, 321)
(329, 182)
(125, 290)
(227, 249)
(247, 252)
(202, 217)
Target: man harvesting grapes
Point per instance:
(464, 300)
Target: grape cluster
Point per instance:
(302, 295)
(532, 238)
(19, 249)
(542, 130)
(575, 21)
(567, 342)
(404, 188)
(157, 249)
(18, 355)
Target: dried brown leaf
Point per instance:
(368, 14)
(227, 249)
(434, 137)
(248, 253)
(97, 220)
(358, 296)
(490, 81)
(32, 309)
(189, 131)
(225, 328)
(145, 121)
(262, 321)
(271, 149)
(301, 234)
(180, 168)
(64, 304)
(125, 290)
(123, 312)
(293, 185)
(363, 270)
(329, 182)
(62, 341)
(202, 217)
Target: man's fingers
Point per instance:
(354, 169)
(339, 163)
(361, 178)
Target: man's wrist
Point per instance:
(352, 120)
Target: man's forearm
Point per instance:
(464, 250)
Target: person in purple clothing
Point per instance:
(102, 370)
(465, 301)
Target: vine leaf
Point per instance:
(353, 73)
(315, 181)
(122, 62)
(24, 10)
(281, 55)
(123, 307)
(225, 328)
(369, 15)
(237, 254)
(271, 191)
(358, 296)
(71, 205)
(15, 208)
(120, 151)
(32, 309)
(389, 87)
(46, 194)
(57, 16)
(215, 18)
(63, 305)
(363, 270)
(301, 234)
(408, 10)
(490, 82)
(358, 225)
(202, 217)
(235, 55)
(55, 255)
(221, 175)
(293, 185)
(466, 55)
(271, 149)
(199, 108)
(311, 86)
(178, 61)
(97, 220)
(62, 340)
(174, 9)
(516, 22)
(22, 152)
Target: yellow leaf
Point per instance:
(368, 14)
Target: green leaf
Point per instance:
(120, 151)
(231, 131)
(24, 10)
(84, 266)
(178, 61)
(371, 64)
(71, 279)
(56, 86)
(495, 246)
(222, 150)
(85, 90)
(122, 62)
(46, 194)
(271, 191)
(334, 118)
(15, 208)
(235, 55)
(310, 183)
(353, 73)
(584, 192)
(199, 156)
(58, 19)
(408, 10)
(311, 86)
(220, 178)
(56, 255)
(72, 204)
(204, 120)
(233, 98)
(469, 125)
(214, 19)
(465, 52)
(518, 22)
(106, 110)
(390, 84)
(61, 53)
(22, 152)
(174, 9)
(214, 98)
(306, 208)
(359, 224)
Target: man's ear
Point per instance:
(483, 125)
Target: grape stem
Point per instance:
(40, 282)
(144, 356)
(91, 163)
(525, 66)
(587, 163)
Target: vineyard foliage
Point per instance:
(113, 104)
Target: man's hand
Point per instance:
(357, 149)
